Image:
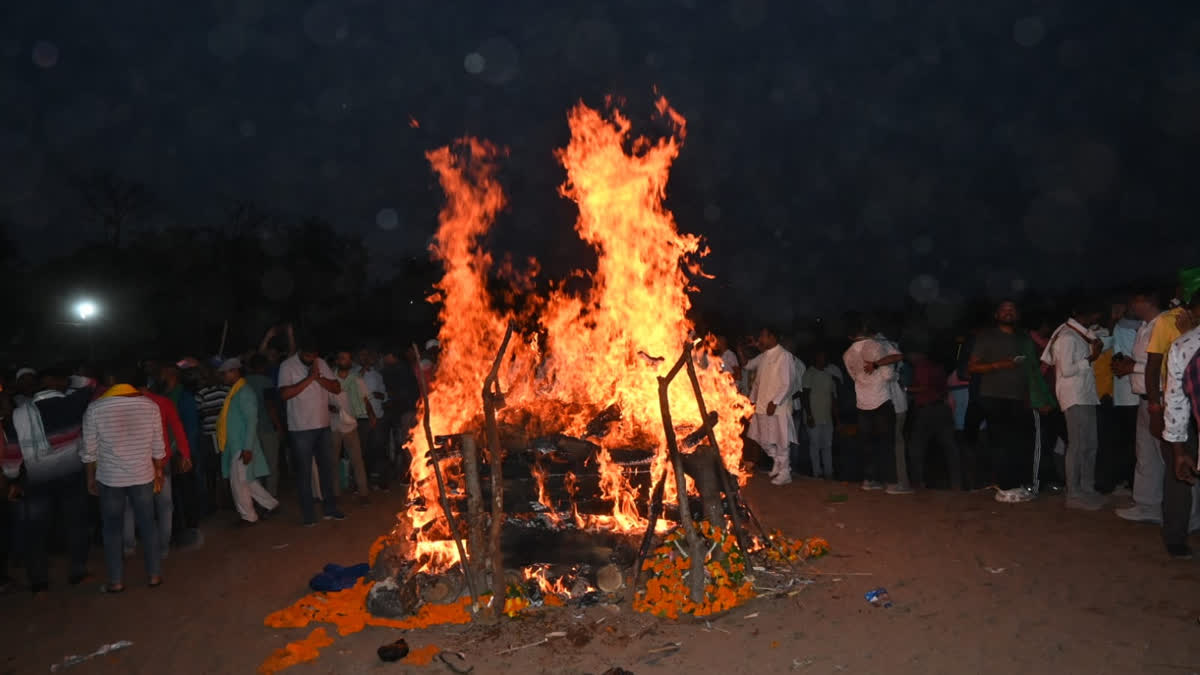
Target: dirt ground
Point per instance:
(978, 587)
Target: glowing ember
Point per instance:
(601, 347)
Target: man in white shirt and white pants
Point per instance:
(1148, 471)
(1072, 350)
(772, 425)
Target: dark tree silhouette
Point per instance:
(113, 202)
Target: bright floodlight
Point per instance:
(86, 309)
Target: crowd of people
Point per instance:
(1103, 405)
(163, 445)
(1100, 406)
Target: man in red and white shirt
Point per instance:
(179, 454)
(1072, 350)
(124, 452)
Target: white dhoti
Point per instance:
(775, 433)
(246, 491)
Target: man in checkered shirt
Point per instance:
(1181, 411)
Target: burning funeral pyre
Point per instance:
(555, 441)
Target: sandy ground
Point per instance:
(977, 586)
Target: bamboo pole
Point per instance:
(493, 399)
(437, 471)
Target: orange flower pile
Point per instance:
(302, 651)
(726, 582)
(422, 656)
(787, 550)
(347, 610)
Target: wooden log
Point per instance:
(702, 466)
(476, 544)
(437, 472)
(492, 400)
(728, 482)
(695, 545)
(609, 579)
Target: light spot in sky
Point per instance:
(500, 60)
(923, 288)
(247, 129)
(474, 63)
(387, 219)
(1029, 31)
(922, 245)
(45, 54)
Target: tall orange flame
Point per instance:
(605, 346)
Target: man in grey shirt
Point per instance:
(1001, 358)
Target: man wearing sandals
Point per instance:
(123, 451)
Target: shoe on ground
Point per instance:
(1015, 495)
(1139, 514)
(310, 523)
(1122, 491)
(781, 480)
(1182, 552)
(872, 485)
(898, 489)
(335, 515)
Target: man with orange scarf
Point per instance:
(123, 452)
(242, 459)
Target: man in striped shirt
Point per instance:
(123, 451)
(210, 397)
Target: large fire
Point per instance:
(601, 347)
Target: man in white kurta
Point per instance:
(772, 425)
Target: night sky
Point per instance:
(839, 153)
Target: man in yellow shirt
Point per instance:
(1167, 329)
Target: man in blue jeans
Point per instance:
(305, 383)
(123, 452)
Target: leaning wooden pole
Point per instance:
(656, 507)
(493, 400)
(696, 552)
(437, 471)
(731, 498)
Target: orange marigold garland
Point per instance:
(726, 583)
(787, 550)
(294, 653)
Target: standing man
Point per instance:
(375, 436)
(305, 382)
(1000, 359)
(210, 396)
(123, 452)
(1149, 467)
(1072, 350)
(870, 363)
(354, 411)
(1180, 490)
(183, 483)
(772, 425)
(178, 460)
(816, 398)
(933, 421)
(43, 468)
(1125, 401)
(270, 425)
(899, 396)
(242, 459)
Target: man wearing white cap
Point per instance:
(242, 458)
(25, 385)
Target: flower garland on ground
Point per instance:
(787, 550)
(726, 583)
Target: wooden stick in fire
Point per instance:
(656, 507)
(696, 551)
(437, 471)
(492, 400)
(730, 496)
(476, 546)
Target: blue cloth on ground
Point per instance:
(338, 578)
